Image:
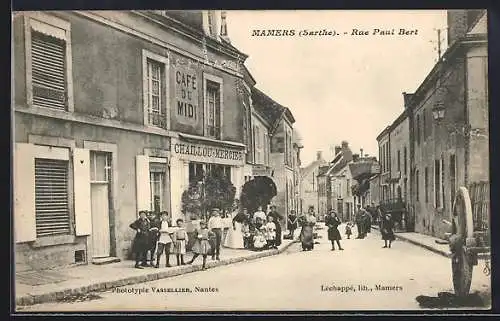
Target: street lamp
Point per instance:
(438, 111)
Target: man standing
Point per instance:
(360, 218)
(216, 225)
(277, 217)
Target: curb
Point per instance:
(427, 247)
(107, 285)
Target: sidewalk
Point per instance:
(426, 241)
(78, 280)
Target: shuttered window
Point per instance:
(51, 197)
(48, 71)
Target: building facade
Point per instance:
(452, 150)
(309, 186)
(116, 112)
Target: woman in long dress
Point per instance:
(387, 225)
(307, 232)
(332, 221)
(234, 239)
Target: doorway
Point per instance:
(100, 178)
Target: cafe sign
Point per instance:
(186, 95)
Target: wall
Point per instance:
(107, 73)
(444, 139)
(129, 144)
(399, 140)
(477, 107)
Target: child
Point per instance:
(202, 245)
(180, 237)
(259, 240)
(270, 229)
(154, 235)
(348, 229)
(165, 240)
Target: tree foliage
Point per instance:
(216, 191)
(257, 192)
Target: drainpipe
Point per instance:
(466, 126)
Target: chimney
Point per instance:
(337, 150)
(223, 27)
(361, 153)
(457, 24)
(319, 155)
(406, 98)
(345, 144)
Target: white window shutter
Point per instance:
(24, 193)
(83, 212)
(143, 188)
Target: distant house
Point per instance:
(309, 186)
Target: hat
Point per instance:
(143, 211)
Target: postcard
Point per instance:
(265, 160)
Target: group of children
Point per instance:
(156, 236)
(265, 235)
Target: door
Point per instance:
(100, 220)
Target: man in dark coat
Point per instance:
(154, 234)
(141, 241)
(277, 217)
(360, 217)
(368, 220)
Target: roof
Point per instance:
(362, 169)
(322, 170)
(393, 125)
(269, 109)
(309, 168)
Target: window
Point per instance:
(348, 187)
(213, 106)
(51, 197)
(258, 145)
(399, 161)
(417, 186)
(48, 62)
(437, 183)
(442, 183)
(155, 89)
(198, 170)
(418, 129)
(157, 186)
(426, 182)
(100, 167)
(266, 149)
(424, 115)
(405, 162)
(453, 181)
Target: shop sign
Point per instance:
(198, 150)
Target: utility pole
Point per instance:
(439, 43)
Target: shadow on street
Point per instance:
(450, 300)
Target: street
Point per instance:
(315, 280)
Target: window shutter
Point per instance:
(24, 193)
(48, 56)
(83, 213)
(51, 197)
(143, 188)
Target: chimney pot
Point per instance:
(318, 155)
(345, 144)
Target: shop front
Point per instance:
(194, 157)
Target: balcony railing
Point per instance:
(157, 119)
(213, 131)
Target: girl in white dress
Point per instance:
(270, 233)
(234, 239)
(165, 241)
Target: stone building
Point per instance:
(116, 112)
(394, 181)
(309, 186)
(448, 117)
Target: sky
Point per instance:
(347, 87)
